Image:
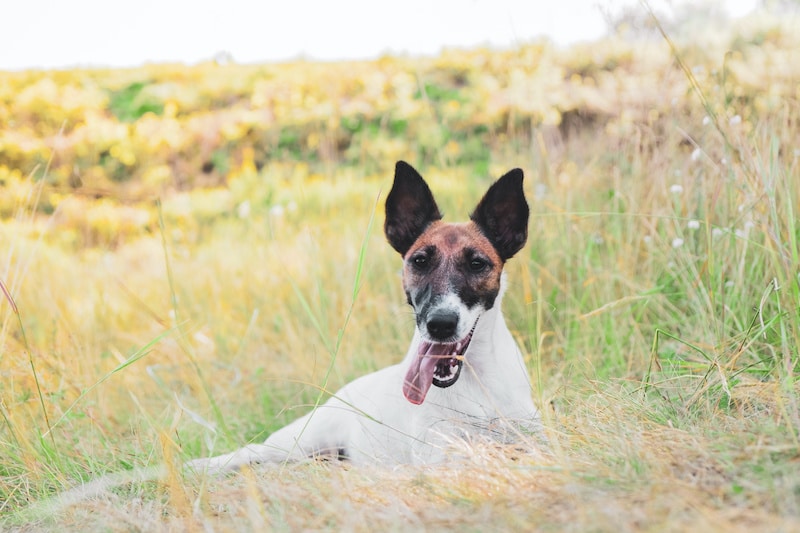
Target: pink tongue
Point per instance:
(419, 377)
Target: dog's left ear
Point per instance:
(502, 214)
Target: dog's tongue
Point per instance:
(419, 377)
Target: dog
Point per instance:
(463, 376)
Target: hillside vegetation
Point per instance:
(191, 256)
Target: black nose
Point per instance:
(442, 325)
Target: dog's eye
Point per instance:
(420, 261)
(477, 264)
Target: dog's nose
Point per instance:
(442, 325)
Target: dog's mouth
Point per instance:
(437, 363)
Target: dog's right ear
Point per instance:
(502, 214)
(410, 208)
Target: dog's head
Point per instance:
(452, 271)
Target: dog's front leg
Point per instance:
(229, 462)
(322, 432)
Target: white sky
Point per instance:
(66, 33)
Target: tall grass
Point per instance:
(657, 303)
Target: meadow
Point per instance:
(192, 256)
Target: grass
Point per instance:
(657, 303)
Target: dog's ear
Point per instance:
(502, 214)
(410, 208)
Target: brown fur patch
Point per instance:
(453, 246)
(451, 237)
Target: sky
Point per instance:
(68, 33)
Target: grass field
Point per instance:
(156, 313)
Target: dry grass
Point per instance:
(657, 301)
(609, 469)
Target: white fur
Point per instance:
(372, 421)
